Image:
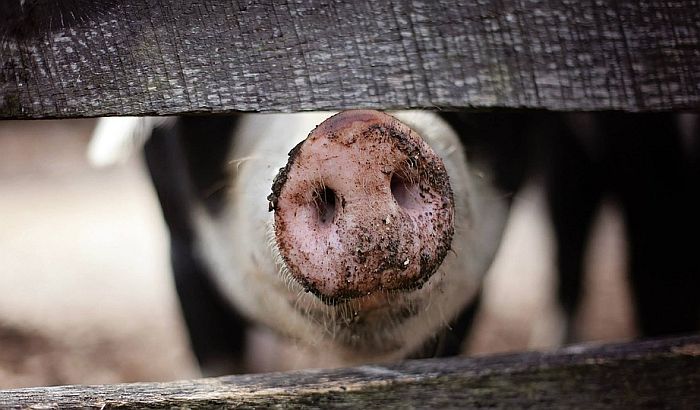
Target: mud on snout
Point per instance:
(363, 214)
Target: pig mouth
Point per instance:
(370, 324)
(396, 305)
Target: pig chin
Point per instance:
(371, 324)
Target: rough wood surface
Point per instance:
(647, 374)
(74, 58)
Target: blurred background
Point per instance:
(86, 295)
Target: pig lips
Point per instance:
(363, 205)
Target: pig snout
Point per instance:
(363, 205)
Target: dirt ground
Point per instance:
(86, 295)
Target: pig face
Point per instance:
(365, 239)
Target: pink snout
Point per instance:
(363, 205)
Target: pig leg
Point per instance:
(186, 162)
(656, 188)
(640, 160)
(573, 189)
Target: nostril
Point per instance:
(405, 191)
(325, 204)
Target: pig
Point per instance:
(646, 163)
(210, 171)
(359, 236)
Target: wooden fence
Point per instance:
(79, 58)
(649, 374)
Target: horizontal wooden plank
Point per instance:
(644, 374)
(76, 58)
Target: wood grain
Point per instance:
(661, 373)
(77, 58)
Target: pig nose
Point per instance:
(363, 205)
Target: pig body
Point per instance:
(231, 276)
(648, 165)
(213, 176)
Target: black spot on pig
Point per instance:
(187, 164)
(649, 165)
(643, 161)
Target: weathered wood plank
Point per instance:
(646, 374)
(73, 58)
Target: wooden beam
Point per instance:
(80, 58)
(645, 374)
